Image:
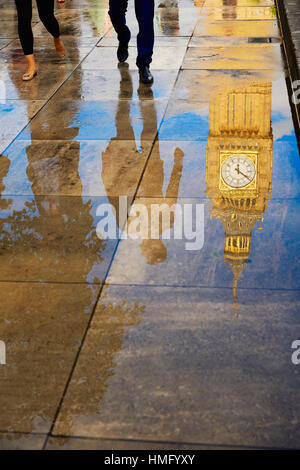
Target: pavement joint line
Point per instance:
(103, 196)
(27, 433)
(140, 441)
(195, 286)
(126, 285)
(29, 281)
(166, 442)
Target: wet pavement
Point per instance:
(288, 12)
(159, 342)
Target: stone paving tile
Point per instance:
(116, 84)
(242, 3)
(176, 169)
(79, 4)
(8, 24)
(177, 365)
(250, 13)
(4, 144)
(42, 87)
(72, 43)
(53, 238)
(96, 120)
(107, 168)
(220, 41)
(15, 114)
(170, 21)
(189, 181)
(185, 120)
(241, 57)
(43, 327)
(198, 259)
(160, 41)
(84, 22)
(191, 116)
(11, 57)
(234, 28)
(204, 85)
(105, 58)
(19, 441)
(4, 43)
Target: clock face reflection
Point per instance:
(238, 171)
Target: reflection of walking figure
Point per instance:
(4, 168)
(144, 10)
(116, 173)
(168, 17)
(58, 222)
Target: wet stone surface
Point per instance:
(149, 235)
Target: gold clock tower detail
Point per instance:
(239, 167)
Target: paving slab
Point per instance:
(42, 327)
(53, 238)
(179, 366)
(21, 441)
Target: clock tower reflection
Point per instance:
(239, 167)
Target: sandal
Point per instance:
(29, 76)
(62, 55)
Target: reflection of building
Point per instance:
(233, 18)
(218, 12)
(117, 173)
(239, 166)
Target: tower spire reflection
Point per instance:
(239, 168)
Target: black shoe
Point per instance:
(122, 51)
(145, 74)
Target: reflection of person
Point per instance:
(46, 14)
(4, 168)
(144, 10)
(117, 173)
(168, 17)
(53, 172)
(152, 183)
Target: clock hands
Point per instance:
(241, 173)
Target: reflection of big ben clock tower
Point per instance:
(239, 167)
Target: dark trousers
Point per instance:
(144, 10)
(46, 14)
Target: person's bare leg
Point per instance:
(60, 48)
(31, 67)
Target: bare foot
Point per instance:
(60, 48)
(31, 68)
(178, 153)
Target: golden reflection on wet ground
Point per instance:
(142, 343)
